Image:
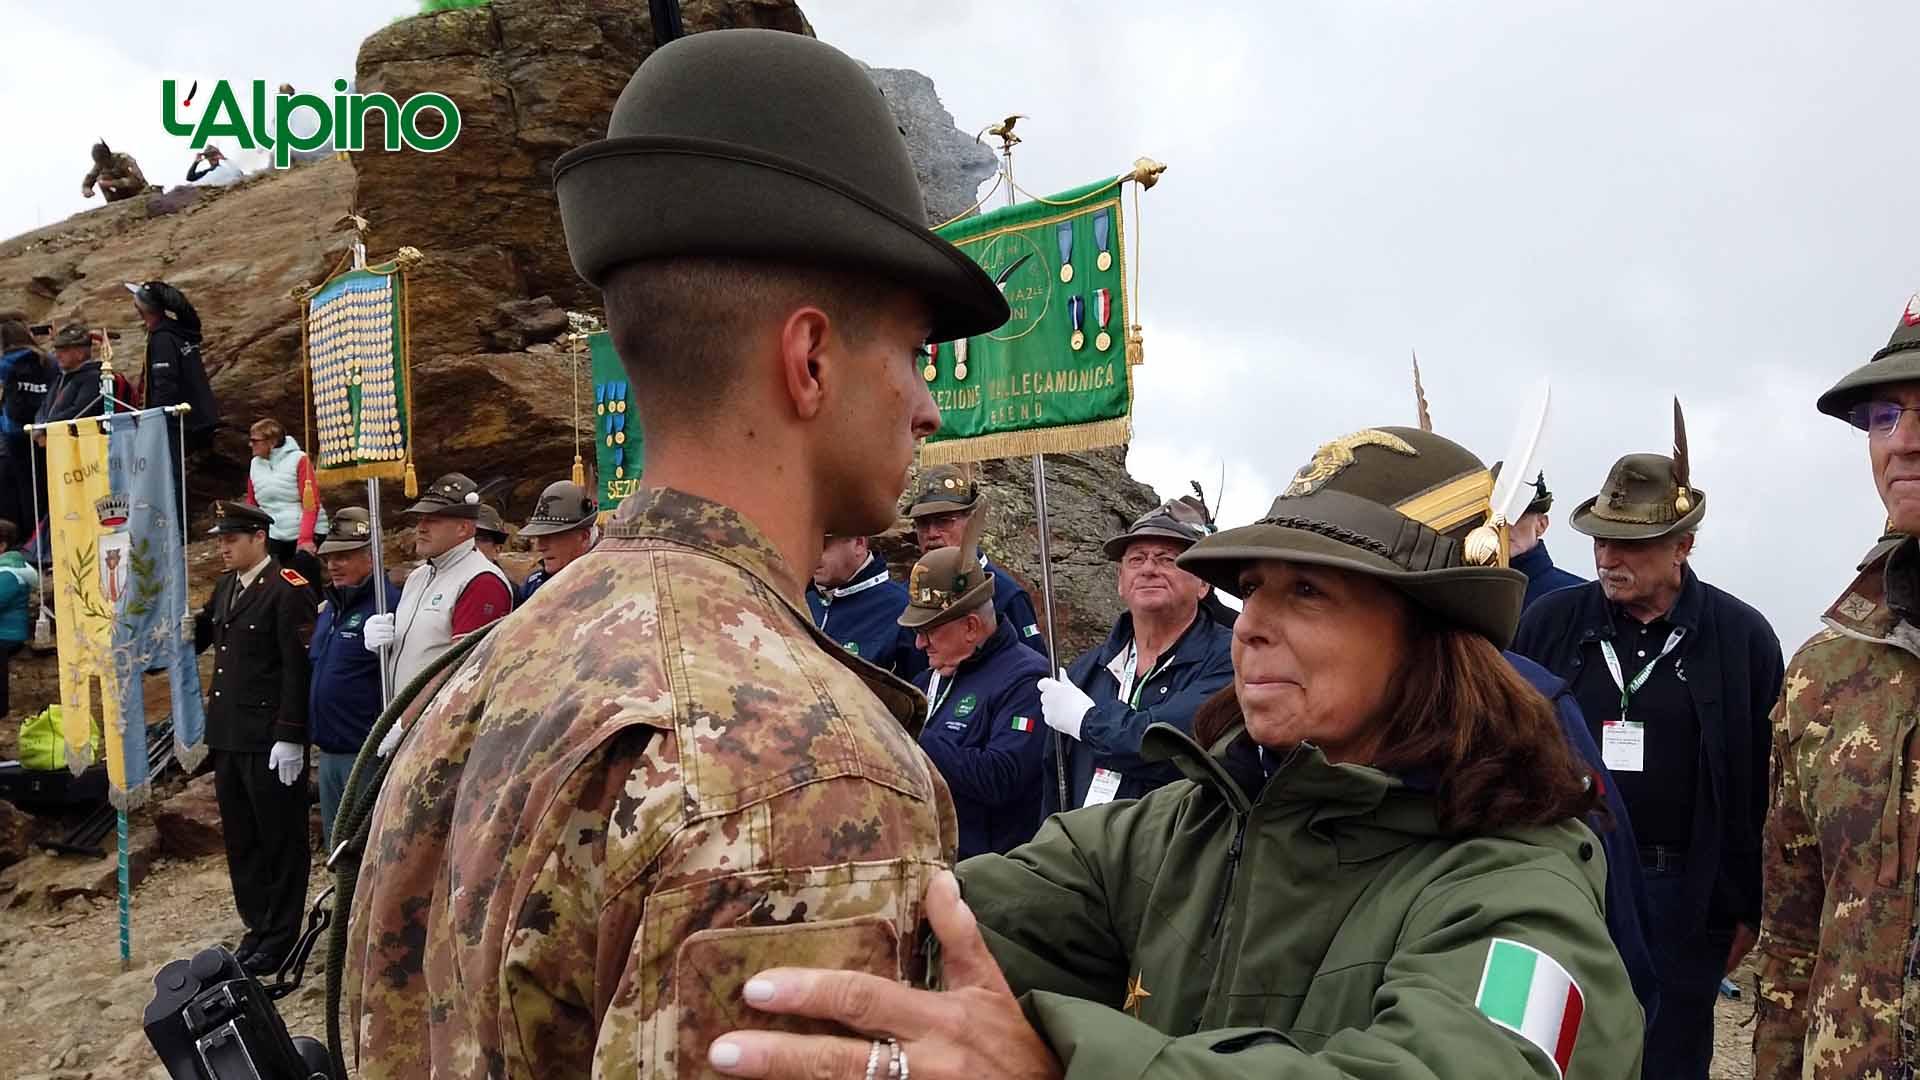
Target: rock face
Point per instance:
(189, 822)
(949, 163)
(16, 833)
(235, 252)
(533, 79)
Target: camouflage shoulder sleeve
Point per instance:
(1793, 891)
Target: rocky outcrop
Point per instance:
(188, 821)
(533, 79)
(16, 833)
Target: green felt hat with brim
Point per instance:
(1393, 503)
(762, 144)
(1899, 362)
(948, 583)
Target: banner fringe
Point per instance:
(190, 757)
(1117, 431)
(372, 470)
(127, 802)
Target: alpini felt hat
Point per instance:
(1898, 362)
(1393, 503)
(763, 144)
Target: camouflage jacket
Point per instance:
(120, 176)
(1839, 992)
(648, 783)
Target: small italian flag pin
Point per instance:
(1023, 723)
(1527, 992)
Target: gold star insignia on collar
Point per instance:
(1136, 993)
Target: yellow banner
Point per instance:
(76, 480)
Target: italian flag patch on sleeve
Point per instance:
(1023, 723)
(1527, 992)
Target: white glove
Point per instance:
(1064, 705)
(392, 740)
(286, 758)
(377, 632)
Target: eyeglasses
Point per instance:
(1139, 560)
(1878, 418)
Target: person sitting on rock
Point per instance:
(118, 175)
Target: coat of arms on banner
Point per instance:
(116, 553)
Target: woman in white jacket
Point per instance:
(280, 481)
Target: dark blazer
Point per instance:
(1200, 664)
(260, 667)
(985, 736)
(1733, 674)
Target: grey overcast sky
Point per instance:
(1636, 200)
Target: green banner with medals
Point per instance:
(1056, 377)
(355, 342)
(616, 425)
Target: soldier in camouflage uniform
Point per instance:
(118, 175)
(657, 778)
(1839, 984)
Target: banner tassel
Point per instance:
(1136, 347)
(579, 471)
(412, 487)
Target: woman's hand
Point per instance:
(306, 546)
(972, 1031)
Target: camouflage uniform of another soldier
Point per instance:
(1839, 982)
(118, 175)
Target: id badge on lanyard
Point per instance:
(1106, 782)
(1623, 742)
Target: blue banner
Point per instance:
(143, 575)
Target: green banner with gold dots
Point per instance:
(1056, 377)
(616, 424)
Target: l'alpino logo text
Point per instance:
(341, 121)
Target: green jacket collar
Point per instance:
(1301, 776)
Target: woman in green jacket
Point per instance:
(1377, 870)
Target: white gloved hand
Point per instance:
(287, 758)
(377, 632)
(392, 740)
(1063, 705)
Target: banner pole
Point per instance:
(379, 586)
(1007, 140)
(120, 814)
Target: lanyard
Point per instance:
(936, 695)
(1129, 667)
(1627, 689)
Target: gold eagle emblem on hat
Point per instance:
(1333, 458)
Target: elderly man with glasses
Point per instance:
(1166, 655)
(1838, 863)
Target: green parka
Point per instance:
(1316, 923)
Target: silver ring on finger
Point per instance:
(902, 1052)
(896, 1060)
(873, 1059)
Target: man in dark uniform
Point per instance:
(1528, 547)
(945, 503)
(259, 621)
(1676, 679)
(984, 729)
(1164, 658)
(854, 602)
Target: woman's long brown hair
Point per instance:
(1462, 714)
